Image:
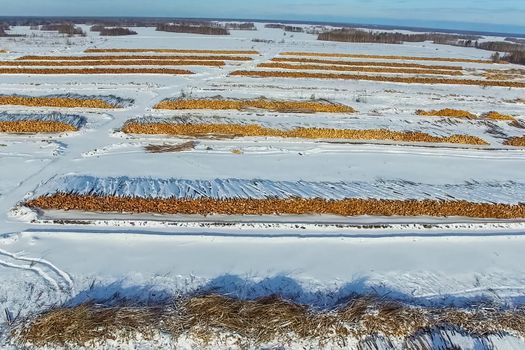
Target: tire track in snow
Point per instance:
(55, 277)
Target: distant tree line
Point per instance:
(362, 36)
(119, 31)
(206, 29)
(240, 26)
(63, 28)
(501, 46)
(514, 51)
(517, 57)
(4, 27)
(286, 28)
(97, 28)
(515, 40)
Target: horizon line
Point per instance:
(291, 21)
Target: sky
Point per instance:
(480, 15)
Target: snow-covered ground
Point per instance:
(44, 263)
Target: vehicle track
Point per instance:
(54, 277)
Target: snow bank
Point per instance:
(479, 192)
(70, 119)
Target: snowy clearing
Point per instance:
(52, 258)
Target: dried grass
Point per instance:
(134, 57)
(54, 102)
(363, 63)
(516, 141)
(3, 51)
(406, 58)
(274, 206)
(89, 323)
(261, 103)
(218, 52)
(112, 63)
(211, 319)
(95, 71)
(359, 69)
(238, 130)
(447, 112)
(181, 147)
(34, 126)
(380, 78)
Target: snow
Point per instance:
(496, 192)
(45, 263)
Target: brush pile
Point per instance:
(498, 116)
(40, 123)
(364, 63)
(458, 113)
(263, 197)
(136, 57)
(232, 188)
(160, 126)
(404, 58)
(127, 62)
(359, 69)
(295, 206)
(219, 103)
(95, 71)
(447, 112)
(217, 52)
(380, 78)
(516, 141)
(67, 101)
(214, 320)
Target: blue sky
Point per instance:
(487, 15)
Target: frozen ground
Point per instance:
(44, 263)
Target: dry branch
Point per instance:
(185, 146)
